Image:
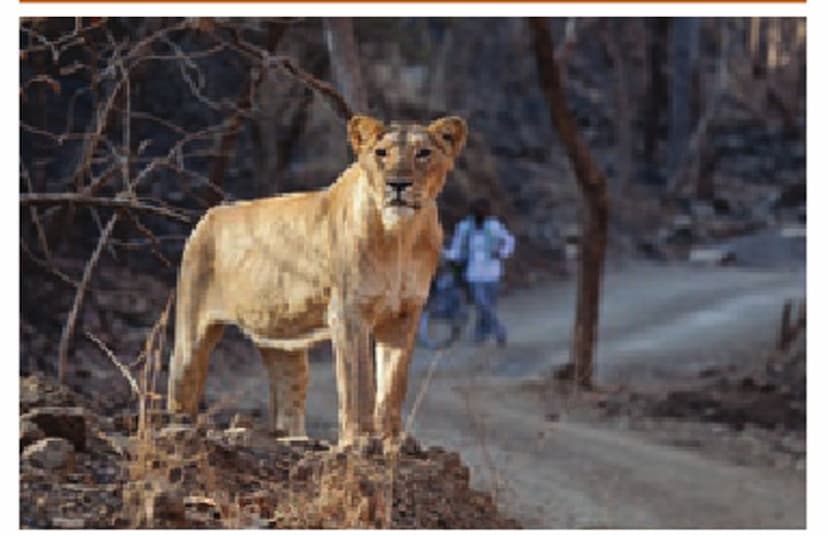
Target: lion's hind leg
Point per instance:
(288, 375)
(188, 370)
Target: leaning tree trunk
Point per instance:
(347, 75)
(593, 185)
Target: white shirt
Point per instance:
(485, 248)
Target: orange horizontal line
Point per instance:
(417, 1)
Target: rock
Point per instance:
(52, 453)
(120, 444)
(239, 436)
(702, 210)
(68, 523)
(710, 256)
(65, 422)
(793, 195)
(167, 510)
(240, 420)
(793, 231)
(410, 447)
(177, 432)
(682, 222)
(29, 433)
(202, 512)
(36, 390)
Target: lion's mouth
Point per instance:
(401, 203)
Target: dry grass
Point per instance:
(344, 488)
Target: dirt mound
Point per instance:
(182, 475)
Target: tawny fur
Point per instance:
(343, 263)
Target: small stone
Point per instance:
(68, 523)
(202, 511)
(411, 447)
(239, 436)
(29, 433)
(711, 256)
(167, 510)
(181, 418)
(240, 420)
(452, 461)
(51, 453)
(177, 432)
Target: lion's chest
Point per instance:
(398, 286)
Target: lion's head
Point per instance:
(406, 163)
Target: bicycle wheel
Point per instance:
(438, 331)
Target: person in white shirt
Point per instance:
(481, 242)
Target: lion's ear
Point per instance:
(363, 131)
(451, 133)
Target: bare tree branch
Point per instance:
(327, 91)
(56, 199)
(69, 327)
(41, 235)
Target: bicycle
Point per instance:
(446, 312)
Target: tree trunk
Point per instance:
(611, 32)
(347, 75)
(696, 159)
(656, 93)
(593, 186)
(684, 45)
(227, 144)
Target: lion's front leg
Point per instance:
(354, 375)
(394, 343)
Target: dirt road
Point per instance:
(658, 325)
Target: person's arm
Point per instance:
(506, 241)
(454, 251)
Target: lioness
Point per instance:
(349, 262)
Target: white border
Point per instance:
(816, 154)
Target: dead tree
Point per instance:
(593, 185)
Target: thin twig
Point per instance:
(53, 199)
(121, 367)
(41, 234)
(47, 266)
(154, 242)
(99, 224)
(334, 99)
(69, 327)
(423, 388)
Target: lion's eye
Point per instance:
(380, 152)
(423, 153)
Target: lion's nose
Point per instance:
(399, 186)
